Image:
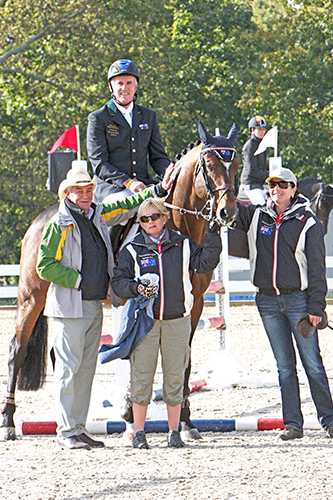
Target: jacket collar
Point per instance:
(169, 238)
(300, 204)
(118, 117)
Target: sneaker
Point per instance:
(174, 440)
(329, 431)
(291, 433)
(140, 441)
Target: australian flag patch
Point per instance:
(144, 126)
(148, 262)
(266, 230)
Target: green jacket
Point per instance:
(59, 258)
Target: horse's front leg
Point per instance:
(200, 283)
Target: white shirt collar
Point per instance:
(126, 112)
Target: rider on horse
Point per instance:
(255, 169)
(122, 136)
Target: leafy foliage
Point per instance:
(221, 61)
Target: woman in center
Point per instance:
(172, 257)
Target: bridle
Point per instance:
(201, 166)
(211, 202)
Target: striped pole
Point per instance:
(157, 426)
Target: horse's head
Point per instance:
(216, 173)
(322, 202)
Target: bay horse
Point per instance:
(202, 191)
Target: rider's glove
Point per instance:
(148, 291)
(159, 191)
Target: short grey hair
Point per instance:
(157, 204)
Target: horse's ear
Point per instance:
(204, 135)
(232, 133)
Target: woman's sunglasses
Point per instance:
(281, 184)
(153, 217)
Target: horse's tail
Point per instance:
(32, 373)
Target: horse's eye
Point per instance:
(210, 166)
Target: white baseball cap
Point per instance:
(284, 174)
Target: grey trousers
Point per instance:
(76, 342)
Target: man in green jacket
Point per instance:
(75, 255)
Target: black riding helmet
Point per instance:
(256, 122)
(123, 67)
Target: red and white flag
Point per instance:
(69, 139)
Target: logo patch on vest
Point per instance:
(144, 126)
(148, 262)
(266, 230)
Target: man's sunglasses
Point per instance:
(281, 184)
(153, 217)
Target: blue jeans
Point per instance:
(280, 315)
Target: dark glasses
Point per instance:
(153, 217)
(281, 184)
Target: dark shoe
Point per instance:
(174, 440)
(72, 443)
(91, 442)
(140, 441)
(291, 433)
(329, 431)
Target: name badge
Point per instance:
(144, 126)
(113, 130)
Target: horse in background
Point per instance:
(320, 196)
(203, 191)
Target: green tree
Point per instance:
(294, 89)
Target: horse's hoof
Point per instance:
(129, 434)
(7, 434)
(189, 433)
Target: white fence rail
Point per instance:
(9, 291)
(236, 266)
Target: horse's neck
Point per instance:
(183, 196)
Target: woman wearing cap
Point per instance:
(287, 259)
(172, 257)
(255, 169)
